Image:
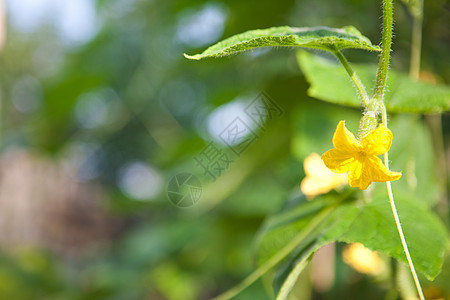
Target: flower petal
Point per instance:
(313, 186)
(345, 140)
(371, 169)
(359, 176)
(378, 141)
(314, 166)
(379, 172)
(338, 161)
(319, 179)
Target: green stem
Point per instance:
(358, 84)
(386, 42)
(395, 213)
(402, 238)
(383, 68)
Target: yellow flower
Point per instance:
(362, 259)
(360, 159)
(318, 179)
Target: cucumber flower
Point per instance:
(360, 159)
(318, 179)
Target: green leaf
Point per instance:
(371, 224)
(424, 232)
(329, 82)
(323, 38)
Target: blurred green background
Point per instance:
(99, 110)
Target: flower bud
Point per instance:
(367, 123)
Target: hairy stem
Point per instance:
(383, 68)
(358, 84)
(386, 42)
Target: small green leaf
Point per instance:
(329, 82)
(323, 38)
